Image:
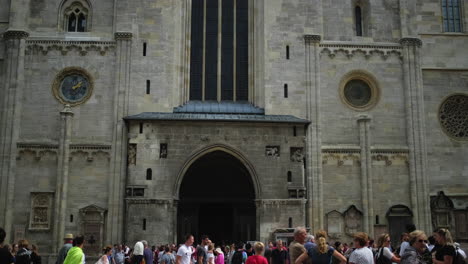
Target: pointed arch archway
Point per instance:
(216, 191)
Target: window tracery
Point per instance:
(75, 16)
(453, 116)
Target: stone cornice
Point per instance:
(351, 49)
(40, 149)
(312, 39)
(123, 35)
(64, 46)
(15, 34)
(278, 202)
(411, 42)
(149, 201)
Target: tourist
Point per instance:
(5, 254)
(168, 257)
(431, 244)
(279, 255)
(446, 251)
(296, 248)
(362, 254)
(322, 253)
(210, 255)
(257, 258)
(220, 257)
(14, 250)
(23, 256)
(138, 251)
(35, 257)
(248, 250)
(409, 228)
(239, 257)
(268, 251)
(417, 246)
(75, 255)
(383, 251)
(202, 250)
(104, 259)
(119, 255)
(309, 242)
(147, 252)
(68, 243)
(184, 254)
(404, 237)
(231, 252)
(338, 247)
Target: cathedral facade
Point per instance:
(240, 119)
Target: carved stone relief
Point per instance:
(442, 209)
(297, 154)
(353, 220)
(41, 204)
(163, 151)
(272, 151)
(131, 156)
(335, 224)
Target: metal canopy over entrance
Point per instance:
(217, 199)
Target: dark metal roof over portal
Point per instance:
(218, 117)
(223, 107)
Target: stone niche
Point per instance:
(92, 227)
(352, 220)
(335, 225)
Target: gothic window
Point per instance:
(41, 204)
(75, 16)
(451, 15)
(453, 116)
(358, 19)
(219, 50)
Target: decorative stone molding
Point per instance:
(312, 39)
(341, 159)
(149, 201)
(367, 50)
(365, 78)
(123, 36)
(41, 209)
(351, 156)
(15, 34)
(40, 150)
(411, 42)
(65, 46)
(279, 202)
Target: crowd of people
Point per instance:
(414, 248)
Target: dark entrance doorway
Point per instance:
(217, 199)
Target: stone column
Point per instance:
(314, 144)
(366, 174)
(116, 207)
(19, 14)
(61, 189)
(414, 104)
(10, 122)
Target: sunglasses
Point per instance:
(422, 241)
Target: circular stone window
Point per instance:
(453, 116)
(359, 91)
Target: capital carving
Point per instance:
(411, 42)
(123, 35)
(15, 34)
(312, 39)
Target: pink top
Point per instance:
(256, 259)
(219, 259)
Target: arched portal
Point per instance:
(217, 198)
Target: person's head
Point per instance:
(248, 247)
(107, 250)
(35, 248)
(14, 248)
(78, 241)
(418, 240)
(210, 247)
(259, 248)
(404, 237)
(360, 239)
(68, 239)
(279, 243)
(384, 240)
(205, 239)
(310, 238)
(321, 240)
(145, 243)
(167, 249)
(189, 239)
(239, 246)
(2, 235)
(120, 247)
(443, 236)
(23, 243)
(338, 246)
(300, 234)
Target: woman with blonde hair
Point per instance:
(258, 258)
(446, 251)
(417, 246)
(104, 259)
(322, 254)
(383, 251)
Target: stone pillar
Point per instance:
(10, 122)
(61, 189)
(19, 14)
(315, 216)
(116, 207)
(366, 174)
(414, 104)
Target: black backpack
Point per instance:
(237, 258)
(381, 258)
(458, 259)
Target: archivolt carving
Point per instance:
(82, 47)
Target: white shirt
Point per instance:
(185, 253)
(403, 247)
(386, 252)
(362, 256)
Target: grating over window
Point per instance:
(219, 50)
(451, 15)
(453, 116)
